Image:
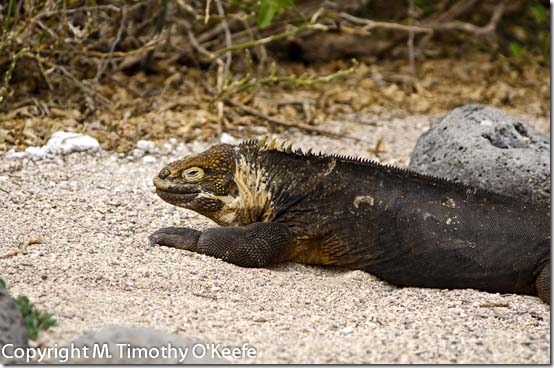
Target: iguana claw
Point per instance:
(176, 237)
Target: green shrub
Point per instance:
(35, 320)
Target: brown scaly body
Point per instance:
(277, 205)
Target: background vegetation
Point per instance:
(128, 70)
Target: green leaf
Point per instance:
(23, 303)
(538, 12)
(265, 14)
(517, 49)
(35, 320)
(2, 284)
(268, 9)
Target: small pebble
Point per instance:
(227, 138)
(147, 146)
(149, 159)
(137, 153)
(346, 331)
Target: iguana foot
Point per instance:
(176, 237)
(255, 245)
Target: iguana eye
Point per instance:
(164, 173)
(193, 174)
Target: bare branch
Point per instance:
(207, 13)
(194, 42)
(266, 40)
(249, 82)
(4, 89)
(471, 28)
(298, 125)
(411, 54)
(112, 47)
(213, 32)
(370, 24)
(153, 43)
(88, 90)
(228, 43)
(79, 9)
(455, 10)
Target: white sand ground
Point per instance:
(94, 268)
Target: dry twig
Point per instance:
(22, 248)
(471, 28)
(228, 42)
(298, 125)
(249, 82)
(370, 24)
(456, 10)
(268, 39)
(88, 90)
(194, 42)
(411, 53)
(112, 47)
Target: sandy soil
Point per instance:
(94, 268)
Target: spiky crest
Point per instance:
(264, 145)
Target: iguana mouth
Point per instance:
(175, 193)
(178, 198)
(178, 190)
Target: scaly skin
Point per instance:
(276, 205)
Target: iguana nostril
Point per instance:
(164, 173)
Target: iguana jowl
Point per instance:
(278, 205)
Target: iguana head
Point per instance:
(203, 183)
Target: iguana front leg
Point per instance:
(255, 245)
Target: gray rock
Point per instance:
(485, 147)
(12, 329)
(138, 345)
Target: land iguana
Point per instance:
(276, 204)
